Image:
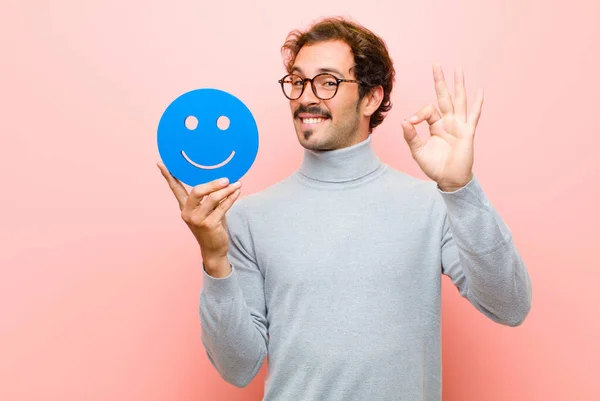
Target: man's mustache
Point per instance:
(311, 110)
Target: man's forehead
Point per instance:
(332, 56)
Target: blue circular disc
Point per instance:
(206, 134)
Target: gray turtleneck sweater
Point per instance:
(336, 280)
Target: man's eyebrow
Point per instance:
(330, 70)
(320, 70)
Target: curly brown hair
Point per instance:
(373, 65)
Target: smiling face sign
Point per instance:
(206, 134)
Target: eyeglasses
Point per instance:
(324, 86)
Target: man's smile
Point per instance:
(311, 120)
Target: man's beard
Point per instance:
(335, 137)
(315, 111)
(332, 137)
(311, 110)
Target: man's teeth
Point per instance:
(312, 120)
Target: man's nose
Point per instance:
(308, 96)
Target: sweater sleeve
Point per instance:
(233, 310)
(479, 256)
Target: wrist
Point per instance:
(445, 188)
(452, 187)
(218, 267)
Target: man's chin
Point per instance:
(309, 139)
(307, 134)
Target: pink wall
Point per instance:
(100, 277)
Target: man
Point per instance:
(335, 272)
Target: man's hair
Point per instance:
(372, 63)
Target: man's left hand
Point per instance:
(447, 155)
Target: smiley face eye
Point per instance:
(191, 123)
(223, 123)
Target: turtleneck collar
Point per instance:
(340, 165)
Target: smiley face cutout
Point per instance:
(206, 134)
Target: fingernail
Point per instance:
(223, 181)
(413, 118)
(237, 184)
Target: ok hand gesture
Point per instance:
(447, 155)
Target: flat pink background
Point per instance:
(101, 279)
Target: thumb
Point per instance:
(411, 137)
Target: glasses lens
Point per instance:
(292, 86)
(325, 85)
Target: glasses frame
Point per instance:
(312, 85)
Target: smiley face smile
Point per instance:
(214, 166)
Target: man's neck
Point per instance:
(340, 165)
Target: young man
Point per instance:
(335, 272)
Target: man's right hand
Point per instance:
(203, 210)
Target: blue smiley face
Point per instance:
(206, 134)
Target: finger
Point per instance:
(428, 113)
(460, 96)
(200, 191)
(412, 138)
(441, 89)
(223, 207)
(476, 109)
(176, 186)
(212, 200)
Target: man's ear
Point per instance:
(373, 100)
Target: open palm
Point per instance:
(447, 155)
